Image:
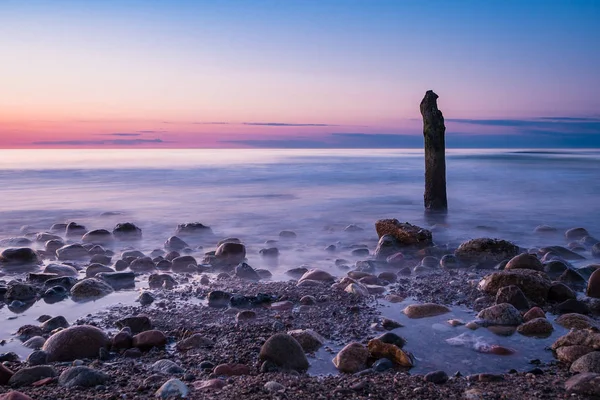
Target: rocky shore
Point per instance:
(206, 324)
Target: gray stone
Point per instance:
(501, 314)
(82, 377)
(90, 289)
(285, 352)
(27, 376)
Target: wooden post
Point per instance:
(435, 154)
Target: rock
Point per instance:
(145, 298)
(536, 327)
(72, 252)
(142, 264)
(136, 324)
(380, 349)
(82, 377)
(310, 340)
(525, 261)
(90, 289)
(437, 377)
(282, 305)
(285, 352)
(54, 323)
(586, 384)
(576, 234)
(501, 314)
(406, 235)
(52, 245)
(555, 267)
(568, 354)
(149, 339)
(73, 229)
(593, 286)
(357, 289)
(194, 230)
(245, 315)
(534, 313)
(172, 389)
(231, 370)
(425, 310)
(383, 364)
(176, 244)
(230, 253)
(37, 357)
(449, 261)
(123, 340)
(560, 292)
(274, 387)
(317, 275)
(352, 358)
(23, 256)
(196, 341)
(5, 375)
(14, 395)
(388, 247)
(577, 321)
(271, 252)
(589, 362)
(167, 367)
(158, 281)
(296, 272)
(572, 278)
(218, 298)
(76, 342)
(596, 250)
(512, 295)
(15, 242)
(572, 306)
(562, 252)
(27, 376)
(245, 271)
(183, 264)
(132, 253)
(127, 231)
(20, 291)
(97, 236)
(211, 384)
(35, 343)
(485, 251)
(61, 270)
(535, 285)
(587, 337)
(118, 280)
(95, 269)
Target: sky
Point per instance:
(297, 73)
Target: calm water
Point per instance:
(254, 194)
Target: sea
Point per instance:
(253, 194)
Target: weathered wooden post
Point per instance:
(435, 154)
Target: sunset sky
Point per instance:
(297, 73)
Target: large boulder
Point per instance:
(577, 321)
(27, 376)
(583, 337)
(352, 358)
(90, 289)
(18, 257)
(586, 384)
(596, 250)
(148, 339)
(501, 314)
(194, 230)
(568, 354)
(536, 327)
(285, 352)
(81, 341)
(387, 246)
(587, 363)
(127, 231)
(142, 264)
(81, 376)
(593, 286)
(230, 253)
(561, 252)
(425, 310)
(98, 236)
(61, 270)
(525, 261)
(406, 234)
(175, 244)
(73, 229)
(183, 264)
(310, 340)
(20, 291)
(512, 295)
(534, 284)
(576, 233)
(485, 251)
(72, 252)
(118, 280)
(379, 349)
